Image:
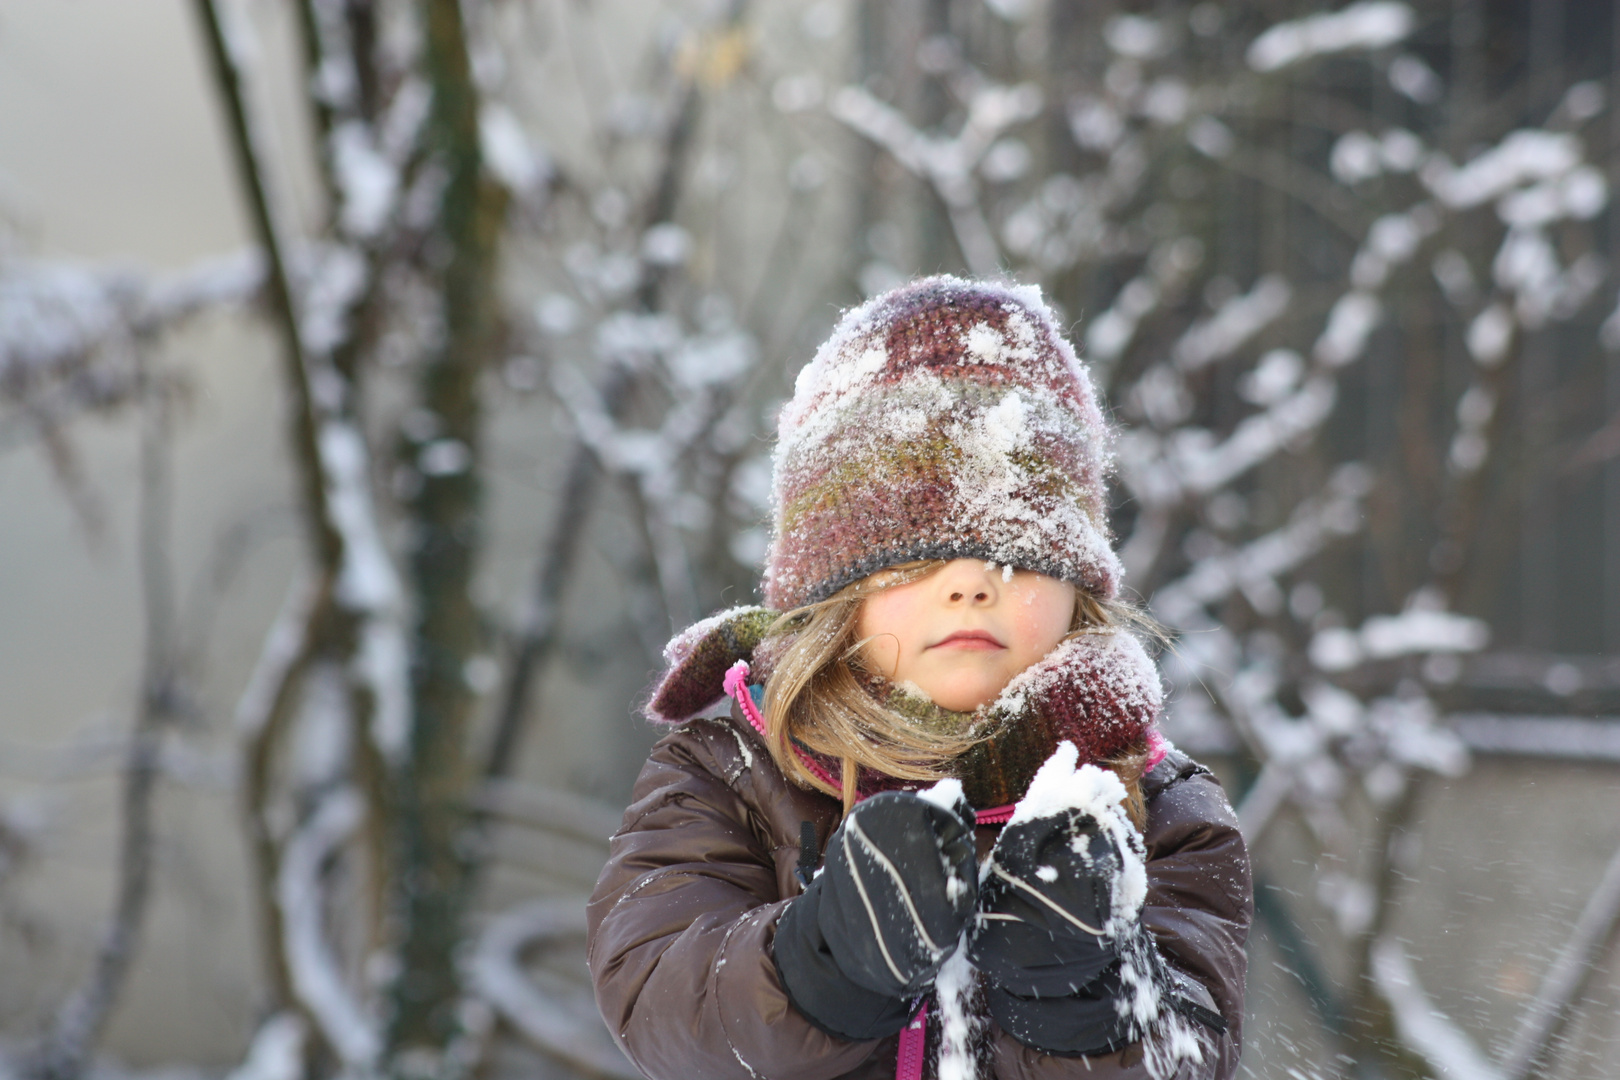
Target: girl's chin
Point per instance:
(959, 698)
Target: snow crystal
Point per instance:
(1211, 138)
(333, 276)
(1467, 451)
(1371, 24)
(1095, 124)
(1489, 335)
(797, 93)
(1354, 157)
(1166, 102)
(1136, 36)
(629, 339)
(1455, 276)
(1005, 426)
(1401, 150)
(1048, 874)
(1162, 395)
(1476, 407)
(1351, 322)
(1333, 710)
(383, 663)
(557, 314)
(444, 457)
(983, 344)
(1007, 160)
(1422, 631)
(1273, 377)
(368, 181)
(1411, 77)
(1526, 261)
(1335, 649)
(666, 244)
(1584, 100)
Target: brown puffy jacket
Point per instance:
(683, 916)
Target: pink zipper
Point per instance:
(908, 1063)
(736, 686)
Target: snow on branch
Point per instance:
(1255, 567)
(68, 332)
(367, 582)
(556, 1018)
(1111, 332)
(1564, 981)
(1418, 630)
(1420, 1025)
(947, 164)
(317, 976)
(277, 1050)
(1233, 324)
(1372, 24)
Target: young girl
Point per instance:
(937, 834)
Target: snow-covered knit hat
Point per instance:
(945, 419)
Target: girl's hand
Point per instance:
(1047, 902)
(885, 912)
(1043, 935)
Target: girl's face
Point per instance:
(961, 633)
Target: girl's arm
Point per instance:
(681, 924)
(1199, 906)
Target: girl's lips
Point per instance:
(970, 639)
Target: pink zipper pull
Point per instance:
(908, 1063)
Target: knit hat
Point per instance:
(945, 419)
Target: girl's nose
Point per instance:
(966, 581)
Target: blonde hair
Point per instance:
(814, 697)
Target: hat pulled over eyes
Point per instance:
(945, 419)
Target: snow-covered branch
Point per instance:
(317, 975)
(554, 1016)
(1561, 987)
(1423, 1027)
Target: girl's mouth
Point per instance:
(970, 639)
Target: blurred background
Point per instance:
(382, 382)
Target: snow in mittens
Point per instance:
(1060, 786)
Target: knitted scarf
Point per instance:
(1099, 691)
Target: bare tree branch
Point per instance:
(1547, 1013)
(324, 541)
(262, 714)
(71, 1040)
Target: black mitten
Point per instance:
(871, 931)
(1042, 935)
(1046, 906)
